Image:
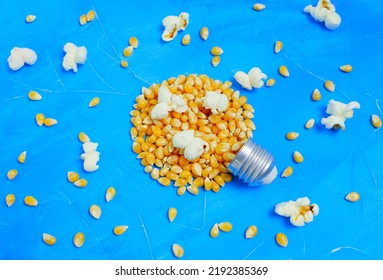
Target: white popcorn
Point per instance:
(173, 24)
(193, 147)
(164, 95)
(160, 111)
(167, 102)
(253, 79)
(299, 211)
(215, 101)
(339, 113)
(324, 11)
(178, 104)
(20, 56)
(74, 55)
(90, 156)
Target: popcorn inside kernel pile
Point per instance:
(173, 24)
(90, 156)
(299, 211)
(339, 113)
(324, 11)
(253, 79)
(20, 56)
(188, 129)
(74, 55)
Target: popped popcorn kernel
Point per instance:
(299, 211)
(339, 112)
(324, 11)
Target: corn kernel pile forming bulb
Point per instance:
(90, 156)
(324, 11)
(74, 55)
(299, 211)
(215, 101)
(20, 56)
(193, 147)
(253, 79)
(167, 102)
(173, 24)
(339, 112)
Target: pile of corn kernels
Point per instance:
(225, 133)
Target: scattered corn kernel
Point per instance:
(204, 33)
(181, 190)
(118, 230)
(10, 199)
(186, 40)
(251, 232)
(30, 18)
(281, 239)
(376, 121)
(214, 231)
(133, 41)
(172, 213)
(30, 201)
(178, 251)
(292, 135)
(316, 95)
(72, 176)
(270, 82)
(128, 51)
(287, 172)
(49, 239)
(110, 193)
(193, 190)
(259, 6)
(309, 124)
(79, 239)
(284, 71)
(11, 174)
(95, 211)
(216, 51)
(215, 60)
(329, 85)
(278, 46)
(297, 156)
(40, 118)
(83, 137)
(225, 226)
(21, 158)
(124, 63)
(50, 122)
(34, 95)
(94, 102)
(81, 183)
(164, 181)
(346, 68)
(353, 196)
(91, 15)
(83, 19)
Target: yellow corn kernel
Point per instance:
(94, 102)
(133, 132)
(196, 169)
(128, 51)
(81, 183)
(270, 82)
(110, 193)
(91, 15)
(49, 239)
(176, 169)
(215, 60)
(11, 174)
(180, 182)
(258, 6)
(178, 251)
(287, 172)
(207, 184)
(329, 85)
(118, 230)
(376, 121)
(193, 189)
(150, 158)
(95, 211)
(222, 148)
(215, 187)
(133, 41)
(198, 182)
(30, 201)
(278, 46)
(40, 118)
(297, 156)
(353, 196)
(216, 51)
(214, 231)
(204, 33)
(50, 122)
(171, 176)
(30, 18)
(281, 239)
(164, 181)
(172, 213)
(155, 174)
(316, 95)
(72, 176)
(309, 124)
(226, 177)
(124, 63)
(284, 71)
(292, 135)
(181, 191)
(186, 40)
(79, 239)
(225, 226)
(21, 158)
(83, 137)
(251, 232)
(10, 199)
(346, 68)
(136, 147)
(34, 95)
(83, 19)
(219, 180)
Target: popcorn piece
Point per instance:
(173, 24)
(339, 113)
(253, 79)
(160, 111)
(167, 102)
(215, 101)
(178, 104)
(299, 211)
(20, 56)
(74, 55)
(193, 147)
(324, 11)
(90, 156)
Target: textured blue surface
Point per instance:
(336, 162)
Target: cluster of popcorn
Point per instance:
(300, 211)
(324, 11)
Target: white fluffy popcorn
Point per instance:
(253, 79)
(193, 147)
(167, 102)
(215, 101)
(339, 113)
(299, 211)
(160, 111)
(74, 55)
(20, 56)
(173, 24)
(90, 156)
(324, 11)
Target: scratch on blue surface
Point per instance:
(146, 236)
(348, 248)
(255, 249)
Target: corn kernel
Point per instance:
(94, 102)
(214, 231)
(79, 239)
(34, 95)
(287, 172)
(204, 33)
(215, 60)
(259, 6)
(83, 19)
(91, 15)
(207, 184)
(11, 174)
(292, 135)
(50, 122)
(95, 211)
(251, 232)
(329, 85)
(172, 213)
(72, 176)
(181, 191)
(40, 118)
(83, 137)
(30, 201)
(110, 194)
(128, 51)
(178, 251)
(21, 158)
(155, 174)
(196, 169)
(164, 181)
(346, 68)
(270, 82)
(278, 46)
(193, 190)
(30, 18)
(118, 230)
(376, 121)
(216, 51)
(133, 41)
(284, 71)
(316, 95)
(49, 239)
(10, 199)
(353, 196)
(81, 183)
(186, 40)
(222, 148)
(225, 226)
(309, 124)
(297, 156)
(123, 63)
(281, 239)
